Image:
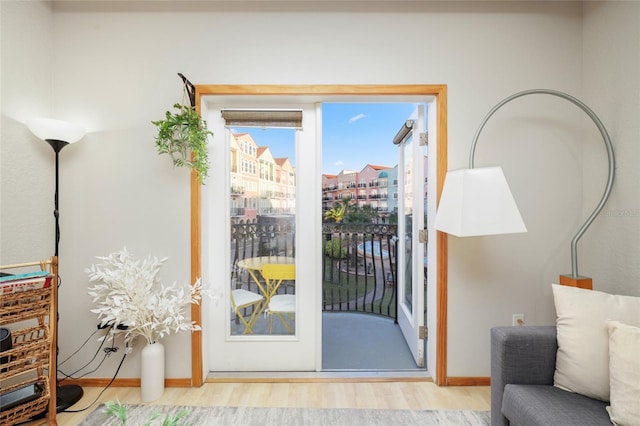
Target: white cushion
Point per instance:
(624, 369)
(582, 362)
(283, 303)
(245, 298)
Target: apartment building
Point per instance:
(261, 184)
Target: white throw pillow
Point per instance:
(624, 368)
(582, 362)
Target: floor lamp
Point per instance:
(477, 201)
(59, 134)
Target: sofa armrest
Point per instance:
(520, 355)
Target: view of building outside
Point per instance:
(359, 163)
(359, 186)
(261, 184)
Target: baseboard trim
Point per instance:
(124, 383)
(337, 376)
(468, 381)
(318, 378)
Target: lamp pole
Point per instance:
(57, 147)
(66, 395)
(574, 280)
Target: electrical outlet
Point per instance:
(518, 319)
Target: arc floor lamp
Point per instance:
(59, 134)
(477, 201)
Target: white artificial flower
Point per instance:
(128, 293)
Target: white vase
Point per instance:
(152, 372)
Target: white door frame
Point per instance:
(437, 347)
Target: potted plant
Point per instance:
(132, 302)
(183, 135)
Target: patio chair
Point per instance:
(241, 299)
(279, 304)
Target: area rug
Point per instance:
(249, 416)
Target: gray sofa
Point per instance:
(523, 361)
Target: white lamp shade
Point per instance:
(477, 202)
(51, 129)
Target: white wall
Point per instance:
(611, 248)
(114, 69)
(26, 163)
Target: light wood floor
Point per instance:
(387, 394)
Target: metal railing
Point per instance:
(359, 261)
(359, 268)
(252, 239)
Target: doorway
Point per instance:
(368, 323)
(262, 94)
(360, 286)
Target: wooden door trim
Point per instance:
(437, 91)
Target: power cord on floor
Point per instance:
(103, 390)
(96, 399)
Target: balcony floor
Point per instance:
(356, 342)
(353, 341)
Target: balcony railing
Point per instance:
(359, 261)
(250, 239)
(359, 269)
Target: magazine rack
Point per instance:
(28, 371)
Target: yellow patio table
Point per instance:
(254, 265)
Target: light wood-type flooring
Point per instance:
(339, 394)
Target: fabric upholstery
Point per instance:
(550, 405)
(523, 355)
(522, 392)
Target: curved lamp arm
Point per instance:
(607, 142)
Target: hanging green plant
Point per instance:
(183, 135)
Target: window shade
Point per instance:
(263, 118)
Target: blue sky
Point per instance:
(353, 135)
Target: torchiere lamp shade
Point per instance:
(51, 129)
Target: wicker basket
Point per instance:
(31, 350)
(29, 409)
(28, 368)
(26, 305)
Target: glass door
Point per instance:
(262, 229)
(411, 251)
(267, 316)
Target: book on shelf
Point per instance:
(23, 282)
